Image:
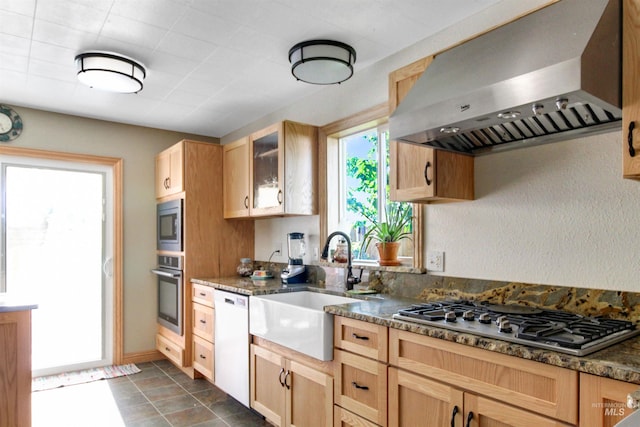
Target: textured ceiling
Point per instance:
(212, 65)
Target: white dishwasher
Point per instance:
(231, 348)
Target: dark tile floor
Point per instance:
(159, 396)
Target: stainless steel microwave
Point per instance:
(169, 223)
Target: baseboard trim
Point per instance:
(142, 356)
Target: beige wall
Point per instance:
(138, 147)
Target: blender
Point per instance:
(295, 271)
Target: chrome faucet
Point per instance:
(351, 279)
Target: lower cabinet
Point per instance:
(603, 401)
(203, 335)
(170, 349)
(344, 418)
(290, 393)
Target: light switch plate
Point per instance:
(435, 261)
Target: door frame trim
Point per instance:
(116, 165)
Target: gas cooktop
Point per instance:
(556, 330)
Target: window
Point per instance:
(363, 181)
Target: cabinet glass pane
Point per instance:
(265, 171)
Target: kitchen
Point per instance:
(527, 201)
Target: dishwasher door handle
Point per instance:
(229, 301)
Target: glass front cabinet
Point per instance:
(283, 169)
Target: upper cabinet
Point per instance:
(281, 176)
(631, 89)
(236, 179)
(169, 171)
(421, 174)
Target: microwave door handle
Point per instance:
(165, 273)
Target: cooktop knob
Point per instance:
(450, 316)
(484, 318)
(468, 315)
(505, 326)
(500, 319)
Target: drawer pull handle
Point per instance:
(167, 349)
(360, 387)
(202, 356)
(469, 418)
(453, 416)
(202, 294)
(203, 321)
(360, 337)
(280, 377)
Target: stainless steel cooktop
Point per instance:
(556, 330)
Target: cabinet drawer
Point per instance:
(360, 337)
(361, 386)
(202, 294)
(203, 357)
(203, 322)
(551, 390)
(171, 350)
(344, 418)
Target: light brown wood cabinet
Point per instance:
(203, 327)
(290, 393)
(15, 369)
(603, 401)
(169, 171)
(283, 164)
(212, 246)
(496, 389)
(630, 87)
(421, 174)
(236, 179)
(360, 371)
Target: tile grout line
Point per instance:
(188, 392)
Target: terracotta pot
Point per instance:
(388, 252)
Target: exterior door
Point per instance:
(57, 251)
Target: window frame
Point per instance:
(328, 178)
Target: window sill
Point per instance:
(373, 266)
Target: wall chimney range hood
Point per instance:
(552, 75)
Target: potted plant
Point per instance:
(395, 227)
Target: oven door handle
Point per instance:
(165, 273)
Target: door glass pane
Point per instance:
(54, 247)
(265, 171)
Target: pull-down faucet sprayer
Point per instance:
(351, 279)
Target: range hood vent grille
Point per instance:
(538, 129)
(556, 76)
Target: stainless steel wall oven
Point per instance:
(169, 273)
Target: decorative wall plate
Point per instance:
(10, 124)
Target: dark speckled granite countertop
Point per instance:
(620, 361)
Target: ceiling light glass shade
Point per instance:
(110, 71)
(322, 62)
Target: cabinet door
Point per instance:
(15, 368)
(236, 179)
(415, 400)
(490, 413)
(267, 165)
(309, 397)
(266, 382)
(423, 174)
(630, 87)
(169, 171)
(603, 401)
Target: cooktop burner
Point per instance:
(556, 330)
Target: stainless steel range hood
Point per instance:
(552, 75)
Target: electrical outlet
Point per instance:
(435, 261)
(277, 248)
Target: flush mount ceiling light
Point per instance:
(322, 62)
(110, 71)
